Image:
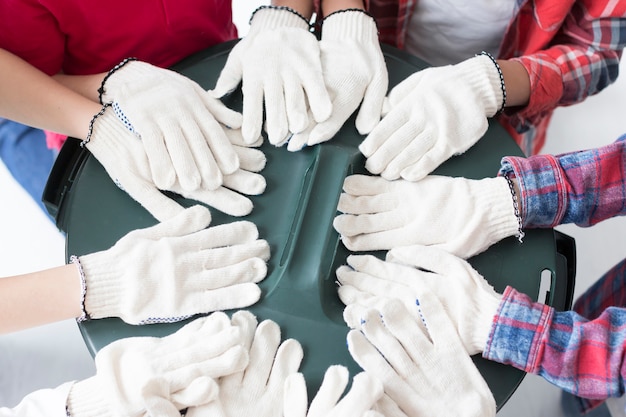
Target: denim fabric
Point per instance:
(24, 151)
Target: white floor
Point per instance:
(50, 355)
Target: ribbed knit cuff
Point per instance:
(132, 70)
(275, 18)
(487, 303)
(497, 205)
(102, 298)
(350, 24)
(86, 399)
(482, 75)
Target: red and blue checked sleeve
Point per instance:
(568, 58)
(583, 187)
(584, 357)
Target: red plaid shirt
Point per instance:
(570, 48)
(581, 351)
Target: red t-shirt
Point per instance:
(80, 37)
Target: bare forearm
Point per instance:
(39, 298)
(304, 7)
(517, 83)
(31, 97)
(330, 6)
(85, 85)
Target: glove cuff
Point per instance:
(86, 400)
(274, 17)
(496, 202)
(483, 77)
(350, 24)
(132, 71)
(103, 287)
(487, 302)
(104, 125)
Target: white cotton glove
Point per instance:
(123, 156)
(176, 269)
(151, 376)
(178, 124)
(355, 74)
(459, 215)
(432, 115)
(358, 402)
(425, 372)
(257, 390)
(278, 63)
(467, 297)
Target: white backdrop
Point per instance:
(49, 355)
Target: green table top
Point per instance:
(295, 216)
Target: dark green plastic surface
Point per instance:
(295, 216)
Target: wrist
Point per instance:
(517, 82)
(101, 89)
(350, 24)
(514, 191)
(305, 8)
(103, 287)
(83, 288)
(488, 303)
(274, 17)
(85, 399)
(495, 80)
(332, 6)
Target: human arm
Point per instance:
(41, 403)
(164, 273)
(463, 216)
(31, 97)
(423, 366)
(39, 298)
(569, 53)
(355, 73)
(584, 357)
(583, 187)
(278, 66)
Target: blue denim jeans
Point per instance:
(24, 151)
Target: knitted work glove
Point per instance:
(176, 269)
(466, 296)
(432, 115)
(358, 402)
(355, 74)
(141, 376)
(123, 156)
(278, 63)
(178, 124)
(425, 372)
(458, 215)
(257, 390)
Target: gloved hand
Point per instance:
(358, 402)
(141, 376)
(425, 372)
(123, 156)
(459, 215)
(176, 269)
(178, 124)
(278, 62)
(355, 74)
(467, 297)
(432, 115)
(257, 390)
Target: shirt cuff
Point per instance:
(520, 329)
(542, 189)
